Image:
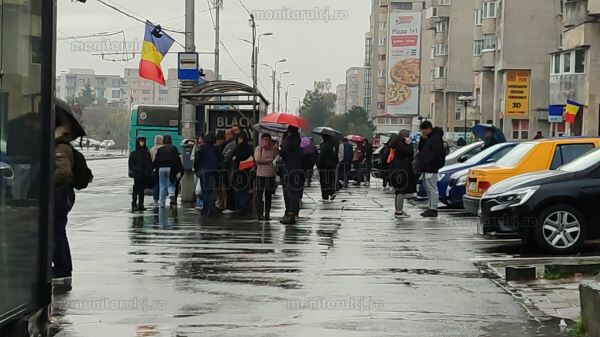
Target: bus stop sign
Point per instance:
(188, 67)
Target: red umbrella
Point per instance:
(286, 119)
(356, 138)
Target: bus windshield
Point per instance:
(158, 116)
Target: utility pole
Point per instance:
(218, 4)
(274, 80)
(279, 95)
(188, 110)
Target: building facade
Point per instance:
(340, 103)
(575, 72)
(355, 87)
(108, 89)
(141, 91)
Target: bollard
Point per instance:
(589, 294)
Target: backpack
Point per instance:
(82, 175)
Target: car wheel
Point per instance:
(560, 229)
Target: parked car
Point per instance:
(451, 192)
(538, 155)
(464, 161)
(464, 153)
(556, 210)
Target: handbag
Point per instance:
(246, 164)
(391, 156)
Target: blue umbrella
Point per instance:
(480, 131)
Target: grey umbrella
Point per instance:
(64, 114)
(325, 130)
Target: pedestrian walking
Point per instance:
(264, 155)
(228, 154)
(345, 155)
(430, 160)
(208, 162)
(368, 154)
(327, 164)
(292, 174)
(243, 164)
(167, 165)
(140, 169)
(357, 159)
(383, 161)
(308, 162)
(158, 142)
(402, 176)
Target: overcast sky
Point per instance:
(315, 49)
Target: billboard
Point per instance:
(517, 94)
(404, 64)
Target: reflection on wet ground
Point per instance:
(347, 269)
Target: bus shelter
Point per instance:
(225, 104)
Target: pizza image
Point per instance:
(407, 72)
(397, 94)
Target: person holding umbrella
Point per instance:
(327, 164)
(490, 134)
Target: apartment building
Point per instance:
(108, 89)
(142, 91)
(575, 67)
(395, 33)
(340, 103)
(368, 78)
(448, 34)
(512, 43)
(355, 87)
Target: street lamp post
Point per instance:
(287, 90)
(274, 76)
(299, 103)
(279, 89)
(467, 100)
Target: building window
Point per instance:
(520, 128)
(478, 17)
(145, 92)
(444, 2)
(440, 72)
(458, 111)
(381, 57)
(116, 83)
(381, 105)
(432, 53)
(382, 41)
(489, 41)
(381, 73)
(116, 93)
(489, 9)
(441, 26)
(432, 12)
(477, 47)
(441, 49)
(566, 63)
(556, 64)
(382, 24)
(580, 61)
(407, 6)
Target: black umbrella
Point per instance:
(64, 114)
(324, 130)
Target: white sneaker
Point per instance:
(402, 215)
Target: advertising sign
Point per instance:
(220, 120)
(188, 67)
(555, 113)
(517, 93)
(404, 64)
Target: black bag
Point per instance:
(82, 175)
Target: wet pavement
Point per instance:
(347, 269)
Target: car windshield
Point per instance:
(515, 155)
(584, 162)
(461, 151)
(484, 154)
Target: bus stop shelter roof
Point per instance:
(223, 93)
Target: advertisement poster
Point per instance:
(404, 64)
(517, 94)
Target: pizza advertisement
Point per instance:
(404, 64)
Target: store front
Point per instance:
(26, 151)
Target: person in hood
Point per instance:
(490, 139)
(168, 166)
(64, 198)
(228, 154)
(241, 176)
(208, 161)
(158, 143)
(402, 176)
(140, 169)
(327, 163)
(430, 160)
(292, 174)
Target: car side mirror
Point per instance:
(462, 159)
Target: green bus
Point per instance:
(153, 120)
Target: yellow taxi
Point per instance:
(531, 156)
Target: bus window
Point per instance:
(158, 116)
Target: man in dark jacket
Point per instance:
(140, 169)
(208, 162)
(327, 164)
(490, 139)
(292, 174)
(430, 160)
(368, 151)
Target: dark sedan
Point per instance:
(557, 210)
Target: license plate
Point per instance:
(472, 186)
(480, 228)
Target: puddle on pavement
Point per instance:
(471, 275)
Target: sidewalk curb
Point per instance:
(103, 158)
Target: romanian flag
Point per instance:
(571, 110)
(156, 46)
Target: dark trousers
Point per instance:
(344, 169)
(328, 182)
(293, 188)
(265, 188)
(359, 173)
(208, 182)
(369, 169)
(309, 176)
(156, 193)
(61, 257)
(138, 192)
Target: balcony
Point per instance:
(439, 84)
(488, 26)
(575, 12)
(488, 58)
(477, 63)
(433, 14)
(440, 60)
(441, 37)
